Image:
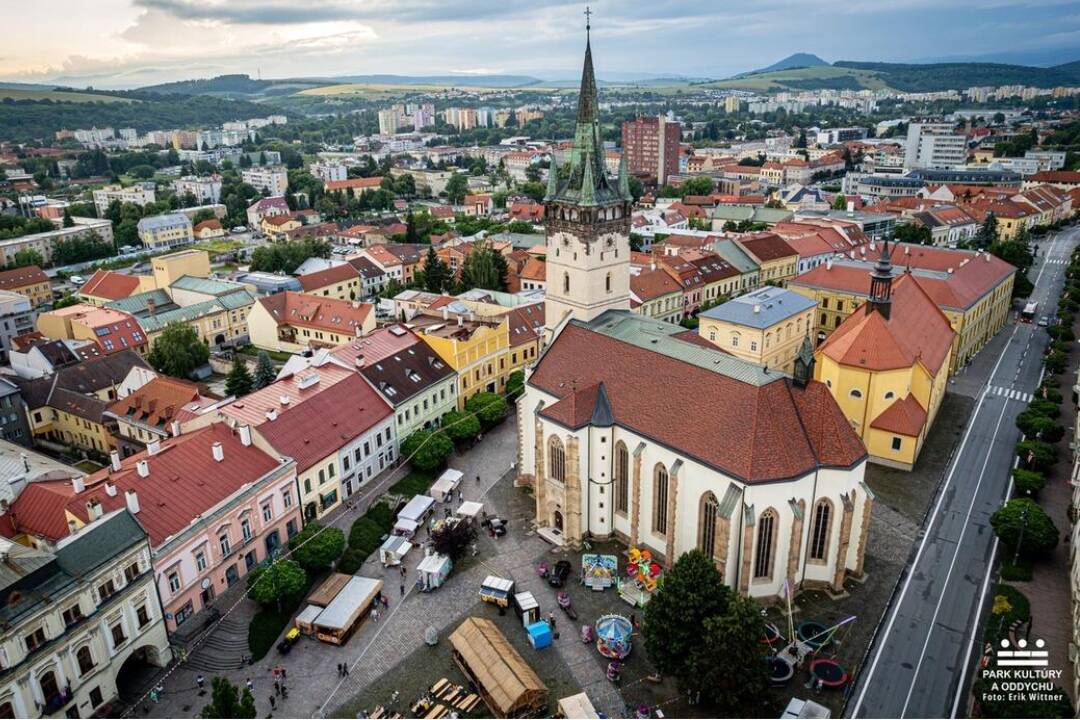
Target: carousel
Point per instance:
(613, 636)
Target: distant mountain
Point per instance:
(937, 77)
(458, 80)
(1039, 57)
(798, 60)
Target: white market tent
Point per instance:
(470, 509)
(338, 619)
(417, 509)
(446, 484)
(394, 550)
(577, 707)
(405, 527)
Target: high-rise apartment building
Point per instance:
(933, 143)
(651, 146)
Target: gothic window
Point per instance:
(766, 544)
(660, 499)
(556, 459)
(707, 524)
(607, 283)
(819, 537)
(622, 477)
(566, 282)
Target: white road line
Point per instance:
(952, 563)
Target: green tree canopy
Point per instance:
(460, 426)
(490, 408)
(28, 256)
(1023, 525)
(316, 548)
(226, 701)
(457, 187)
(484, 268)
(178, 351)
(238, 382)
(264, 371)
(697, 629)
(515, 384)
(436, 274)
(276, 584)
(427, 450)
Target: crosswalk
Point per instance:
(1009, 393)
(1057, 261)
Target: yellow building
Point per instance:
(778, 261)
(973, 289)
(341, 282)
(477, 349)
(292, 322)
(277, 227)
(765, 326)
(887, 367)
(167, 269)
(30, 282)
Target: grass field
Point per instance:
(59, 96)
(772, 80)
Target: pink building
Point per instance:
(213, 504)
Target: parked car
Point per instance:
(558, 575)
(77, 280)
(239, 229)
(1044, 321)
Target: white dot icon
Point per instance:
(1021, 643)
(1004, 643)
(1040, 643)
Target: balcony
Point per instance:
(54, 702)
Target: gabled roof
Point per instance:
(904, 417)
(761, 308)
(329, 276)
(915, 331)
(319, 313)
(770, 430)
(159, 402)
(526, 323)
(21, 277)
(765, 246)
(109, 285)
(651, 284)
(70, 386)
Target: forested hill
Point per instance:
(934, 77)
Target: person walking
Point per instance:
(551, 621)
(273, 703)
(402, 589)
(277, 687)
(284, 676)
(403, 571)
(250, 685)
(201, 682)
(154, 695)
(477, 479)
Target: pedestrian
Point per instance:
(273, 703)
(374, 614)
(160, 689)
(477, 479)
(385, 602)
(551, 620)
(277, 687)
(633, 620)
(201, 682)
(154, 695)
(250, 685)
(284, 693)
(402, 589)
(345, 668)
(284, 676)
(403, 571)
(460, 496)
(339, 669)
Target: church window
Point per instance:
(819, 538)
(766, 544)
(707, 524)
(622, 478)
(556, 459)
(566, 282)
(607, 283)
(660, 499)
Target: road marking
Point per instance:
(952, 563)
(1010, 393)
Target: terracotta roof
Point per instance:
(354, 183)
(279, 220)
(184, 481)
(1067, 177)
(21, 277)
(319, 427)
(915, 331)
(211, 224)
(398, 366)
(765, 246)
(651, 284)
(319, 313)
(39, 510)
(160, 402)
(526, 323)
(329, 276)
(904, 417)
(534, 269)
(526, 211)
(766, 433)
(110, 285)
(293, 389)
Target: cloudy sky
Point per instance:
(118, 43)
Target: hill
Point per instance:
(246, 86)
(935, 77)
(797, 60)
(802, 78)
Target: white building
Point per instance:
(139, 194)
(76, 617)
(272, 179)
(330, 171)
(16, 317)
(934, 144)
(161, 232)
(206, 190)
(388, 121)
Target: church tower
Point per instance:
(587, 215)
(881, 284)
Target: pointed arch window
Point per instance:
(566, 282)
(660, 499)
(556, 460)
(819, 537)
(707, 524)
(766, 544)
(622, 478)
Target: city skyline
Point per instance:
(127, 43)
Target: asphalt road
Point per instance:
(924, 650)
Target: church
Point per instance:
(637, 429)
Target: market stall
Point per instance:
(336, 623)
(496, 590)
(306, 619)
(509, 687)
(412, 515)
(470, 510)
(432, 571)
(526, 608)
(578, 707)
(394, 550)
(443, 488)
(328, 589)
(539, 634)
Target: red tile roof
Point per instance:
(315, 429)
(534, 269)
(329, 276)
(771, 432)
(651, 284)
(211, 224)
(915, 331)
(110, 285)
(1064, 177)
(38, 510)
(21, 277)
(904, 417)
(319, 313)
(184, 481)
(160, 402)
(765, 246)
(527, 211)
(354, 183)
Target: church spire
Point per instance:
(881, 284)
(552, 179)
(588, 107)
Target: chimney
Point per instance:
(143, 468)
(445, 313)
(828, 264)
(175, 428)
(757, 309)
(110, 489)
(359, 362)
(245, 435)
(850, 207)
(114, 458)
(93, 509)
(284, 400)
(78, 483)
(460, 321)
(271, 414)
(219, 452)
(132, 499)
(153, 447)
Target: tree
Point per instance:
(515, 384)
(68, 222)
(460, 426)
(226, 701)
(489, 408)
(695, 626)
(1036, 455)
(178, 351)
(484, 268)
(427, 450)
(636, 188)
(1028, 482)
(1025, 527)
(239, 381)
(840, 203)
(436, 274)
(700, 185)
(280, 583)
(456, 188)
(987, 233)
(28, 256)
(66, 301)
(316, 548)
(264, 371)
(453, 538)
(915, 233)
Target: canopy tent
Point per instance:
(328, 589)
(405, 527)
(306, 619)
(337, 621)
(442, 488)
(417, 509)
(578, 707)
(470, 509)
(506, 682)
(394, 550)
